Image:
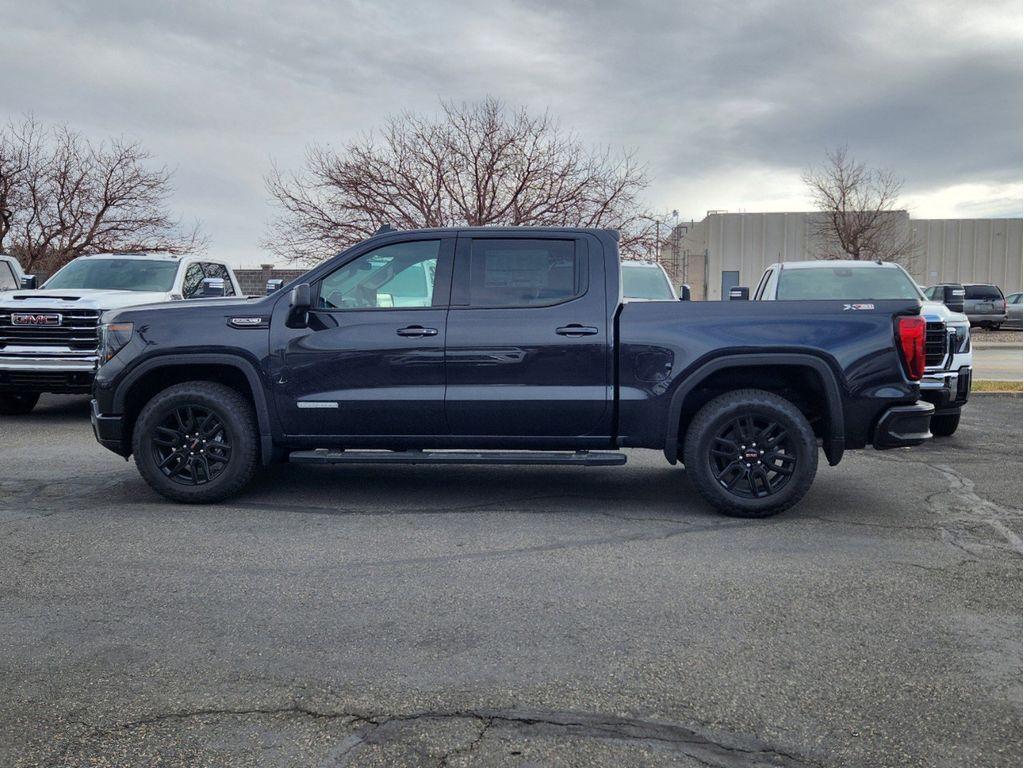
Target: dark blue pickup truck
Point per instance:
(505, 346)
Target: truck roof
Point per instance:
(833, 263)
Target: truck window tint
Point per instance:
(88, 272)
(193, 283)
(643, 282)
(219, 270)
(398, 275)
(982, 292)
(845, 283)
(522, 273)
(7, 279)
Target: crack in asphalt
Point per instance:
(962, 502)
(732, 750)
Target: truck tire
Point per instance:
(750, 453)
(944, 426)
(196, 442)
(17, 403)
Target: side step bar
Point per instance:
(579, 458)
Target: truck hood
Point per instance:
(79, 299)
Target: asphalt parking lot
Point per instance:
(510, 616)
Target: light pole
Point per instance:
(657, 231)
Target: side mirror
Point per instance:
(212, 286)
(298, 315)
(684, 292)
(28, 282)
(274, 285)
(739, 293)
(953, 297)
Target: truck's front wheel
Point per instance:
(17, 403)
(196, 442)
(750, 453)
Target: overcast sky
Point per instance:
(726, 102)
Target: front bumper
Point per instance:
(60, 375)
(109, 431)
(904, 425)
(947, 391)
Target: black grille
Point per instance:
(47, 381)
(935, 341)
(78, 329)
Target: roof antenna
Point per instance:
(385, 228)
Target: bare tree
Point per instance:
(861, 217)
(64, 196)
(474, 164)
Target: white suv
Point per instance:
(49, 338)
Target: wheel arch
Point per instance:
(156, 374)
(687, 393)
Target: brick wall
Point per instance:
(254, 281)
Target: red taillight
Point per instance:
(910, 334)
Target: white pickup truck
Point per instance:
(948, 357)
(50, 337)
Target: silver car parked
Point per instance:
(984, 304)
(1013, 311)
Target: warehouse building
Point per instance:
(728, 249)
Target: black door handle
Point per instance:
(416, 330)
(576, 330)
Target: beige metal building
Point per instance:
(728, 249)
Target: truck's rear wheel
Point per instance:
(945, 425)
(17, 403)
(750, 453)
(196, 442)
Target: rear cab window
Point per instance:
(846, 283)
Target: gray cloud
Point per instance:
(725, 101)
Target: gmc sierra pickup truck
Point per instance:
(49, 338)
(505, 346)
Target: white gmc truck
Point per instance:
(50, 337)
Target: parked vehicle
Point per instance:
(524, 355)
(948, 356)
(645, 281)
(1013, 311)
(50, 338)
(984, 304)
(10, 273)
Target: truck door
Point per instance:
(371, 361)
(527, 352)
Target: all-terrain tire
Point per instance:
(945, 425)
(239, 431)
(783, 468)
(17, 403)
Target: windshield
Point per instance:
(846, 283)
(645, 283)
(116, 275)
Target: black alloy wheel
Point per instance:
(752, 456)
(197, 442)
(191, 446)
(750, 453)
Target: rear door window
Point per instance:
(523, 272)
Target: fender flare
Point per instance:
(834, 439)
(263, 416)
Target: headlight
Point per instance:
(963, 337)
(115, 337)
